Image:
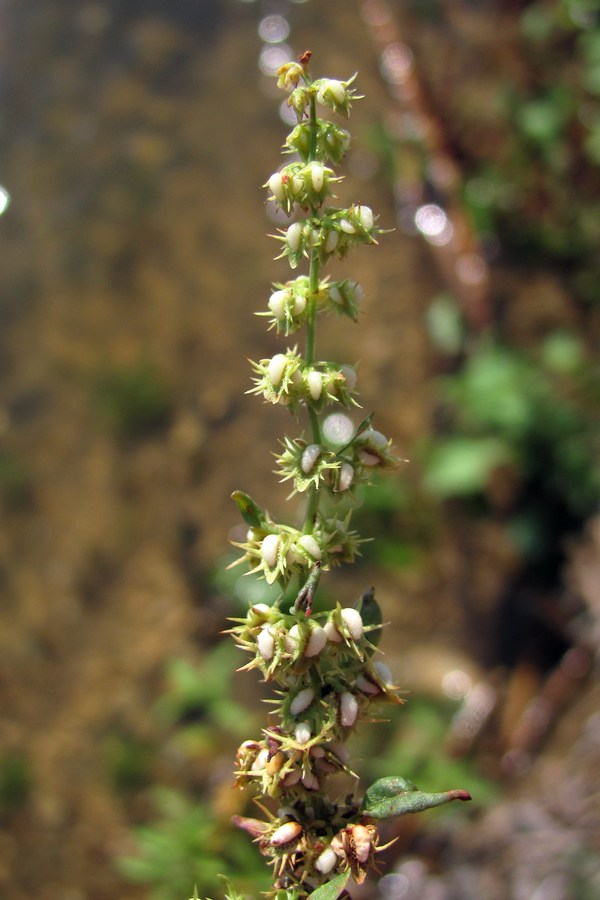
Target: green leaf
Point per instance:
(395, 796)
(252, 514)
(331, 890)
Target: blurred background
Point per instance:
(135, 137)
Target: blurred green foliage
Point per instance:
(534, 417)
(134, 400)
(15, 781)
(187, 844)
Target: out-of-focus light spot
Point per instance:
(4, 200)
(273, 29)
(481, 191)
(456, 684)
(442, 172)
(393, 886)
(515, 763)
(396, 63)
(272, 57)
(471, 269)
(376, 14)
(287, 114)
(434, 224)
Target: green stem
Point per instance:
(312, 506)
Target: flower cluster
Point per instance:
(324, 667)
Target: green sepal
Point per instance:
(252, 514)
(395, 796)
(331, 890)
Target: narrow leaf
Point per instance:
(395, 796)
(252, 514)
(331, 890)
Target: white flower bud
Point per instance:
(352, 620)
(346, 477)
(260, 609)
(347, 227)
(269, 548)
(326, 861)
(316, 642)
(348, 709)
(334, 88)
(302, 701)
(331, 241)
(317, 176)
(302, 733)
(286, 833)
(276, 368)
(309, 457)
(332, 633)
(277, 303)
(266, 644)
(275, 184)
(335, 294)
(315, 384)
(365, 217)
(311, 545)
(383, 672)
(293, 235)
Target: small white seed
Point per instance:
(266, 644)
(352, 620)
(302, 733)
(346, 477)
(299, 304)
(276, 186)
(365, 686)
(383, 672)
(331, 241)
(276, 368)
(292, 639)
(332, 633)
(348, 709)
(286, 833)
(335, 294)
(326, 861)
(261, 760)
(365, 217)
(310, 544)
(336, 89)
(310, 782)
(347, 227)
(293, 235)
(260, 609)
(269, 548)
(292, 777)
(309, 457)
(317, 176)
(315, 384)
(369, 459)
(356, 290)
(277, 303)
(316, 642)
(302, 701)
(375, 439)
(349, 377)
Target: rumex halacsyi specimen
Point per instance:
(324, 666)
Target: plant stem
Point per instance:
(312, 506)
